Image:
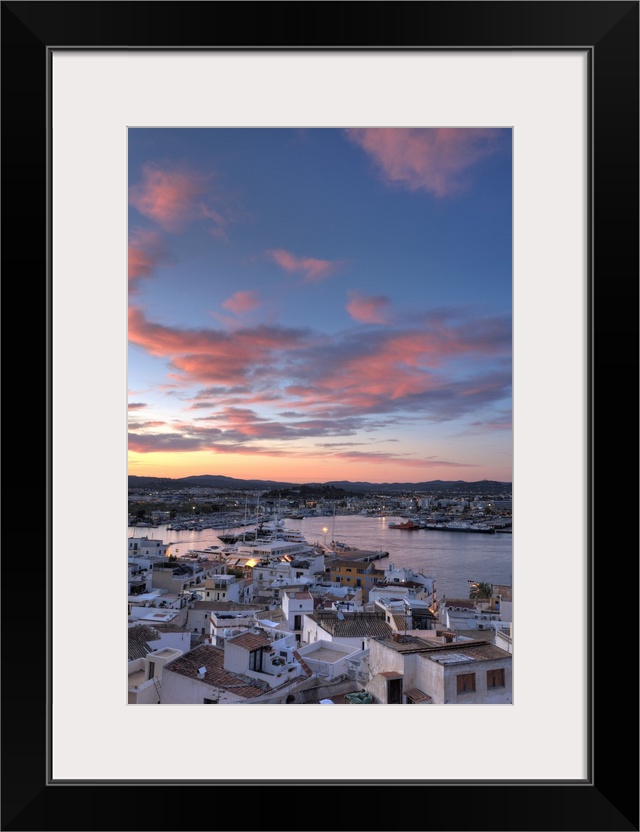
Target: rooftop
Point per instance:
(139, 638)
(353, 625)
(227, 606)
(324, 654)
(250, 641)
(479, 650)
(465, 603)
(212, 659)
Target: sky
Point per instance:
(313, 305)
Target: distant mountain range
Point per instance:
(231, 483)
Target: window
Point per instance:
(209, 701)
(495, 678)
(255, 660)
(297, 622)
(466, 682)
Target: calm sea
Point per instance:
(452, 558)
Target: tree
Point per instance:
(480, 591)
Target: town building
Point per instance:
(412, 670)
(250, 667)
(146, 547)
(353, 629)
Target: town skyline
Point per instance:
(320, 305)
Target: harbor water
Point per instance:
(452, 558)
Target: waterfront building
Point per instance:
(147, 547)
(355, 574)
(464, 614)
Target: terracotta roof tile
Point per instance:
(250, 641)
(368, 625)
(139, 637)
(212, 658)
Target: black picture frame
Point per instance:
(608, 799)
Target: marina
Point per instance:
(452, 558)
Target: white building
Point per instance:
(145, 676)
(355, 630)
(210, 618)
(250, 667)
(329, 660)
(295, 606)
(411, 670)
(147, 547)
(462, 614)
(225, 588)
(138, 576)
(400, 575)
(403, 611)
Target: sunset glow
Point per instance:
(320, 304)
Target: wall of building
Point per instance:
(155, 662)
(144, 694)
(383, 658)
(440, 682)
(198, 620)
(183, 690)
(145, 691)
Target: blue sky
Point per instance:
(320, 304)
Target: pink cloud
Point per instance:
(438, 371)
(172, 198)
(437, 160)
(146, 252)
(213, 356)
(368, 309)
(311, 268)
(391, 371)
(242, 302)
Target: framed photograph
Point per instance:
(562, 79)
